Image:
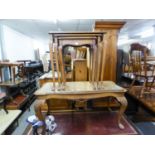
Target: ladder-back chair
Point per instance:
(141, 70)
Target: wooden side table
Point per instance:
(12, 69)
(81, 91)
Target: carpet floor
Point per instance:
(89, 123)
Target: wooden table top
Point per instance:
(11, 63)
(80, 88)
(151, 63)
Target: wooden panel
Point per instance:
(57, 104)
(105, 102)
(80, 70)
(17, 102)
(108, 25)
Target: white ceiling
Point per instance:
(39, 28)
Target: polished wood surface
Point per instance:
(81, 91)
(80, 70)
(108, 25)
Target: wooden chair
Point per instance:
(141, 71)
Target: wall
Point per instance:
(150, 43)
(42, 46)
(16, 46)
(125, 47)
(0, 53)
(0, 42)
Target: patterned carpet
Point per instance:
(89, 123)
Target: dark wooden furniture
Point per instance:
(21, 96)
(2, 101)
(17, 86)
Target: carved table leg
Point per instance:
(1, 75)
(13, 74)
(122, 100)
(10, 73)
(37, 108)
(38, 113)
(48, 105)
(4, 107)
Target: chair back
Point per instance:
(138, 54)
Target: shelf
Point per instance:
(17, 102)
(11, 83)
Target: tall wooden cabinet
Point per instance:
(110, 47)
